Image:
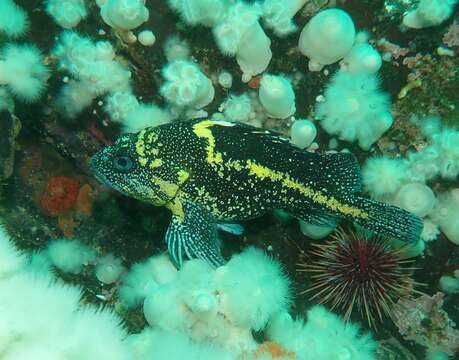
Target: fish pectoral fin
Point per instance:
(193, 236)
(232, 228)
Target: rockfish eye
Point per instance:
(123, 163)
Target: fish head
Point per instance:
(118, 166)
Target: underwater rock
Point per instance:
(9, 128)
(423, 321)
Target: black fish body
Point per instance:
(208, 172)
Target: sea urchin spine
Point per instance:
(353, 270)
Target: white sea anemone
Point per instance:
(355, 109)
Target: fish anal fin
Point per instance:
(318, 218)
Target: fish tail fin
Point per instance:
(387, 220)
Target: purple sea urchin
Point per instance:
(354, 271)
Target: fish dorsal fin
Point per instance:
(337, 172)
(344, 172)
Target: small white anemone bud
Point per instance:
(123, 14)
(302, 133)
(277, 96)
(109, 269)
(327, 38)
(225, 79)
(204, 302)
(362, 58)
(417, 198)
(146, 38)
(315, 232)
(449, 284)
